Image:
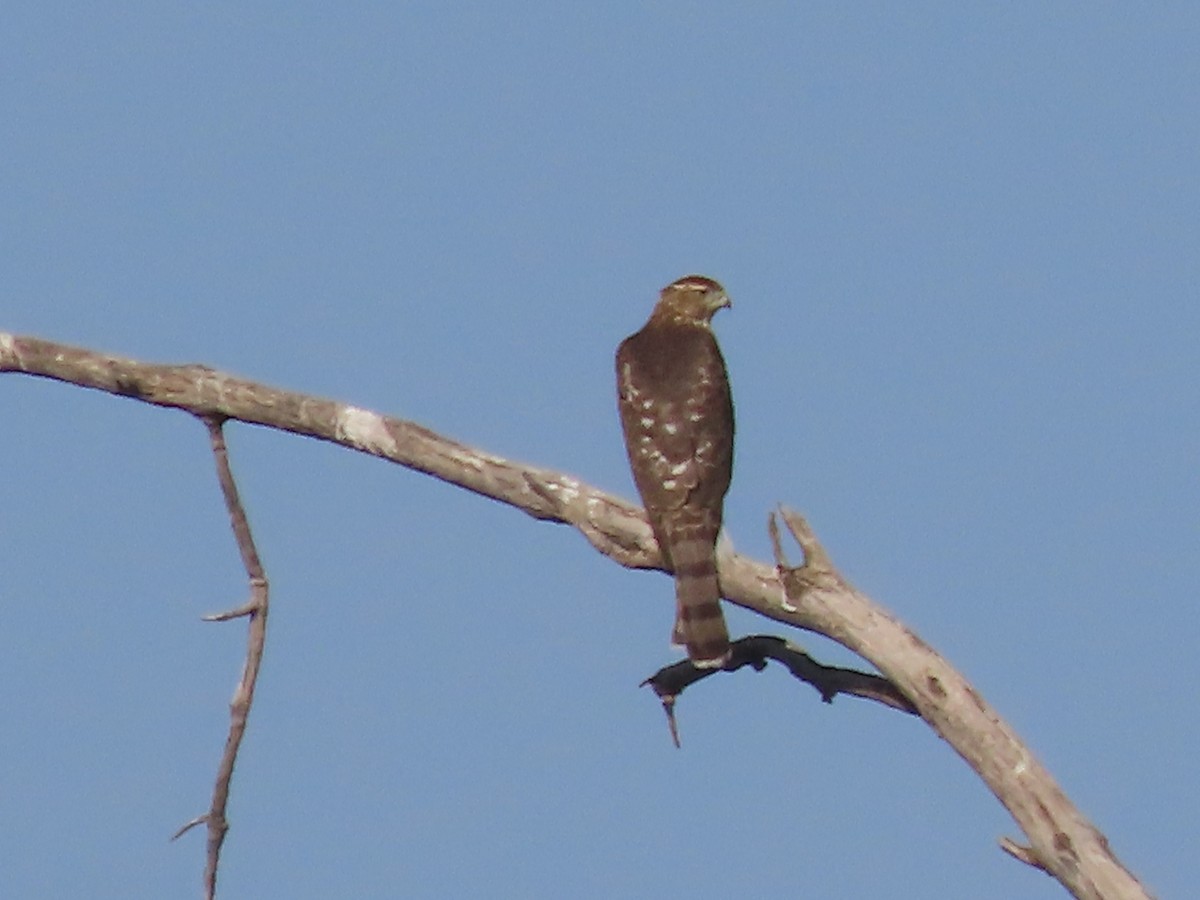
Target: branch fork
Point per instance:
(813, 596)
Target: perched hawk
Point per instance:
(677, 416)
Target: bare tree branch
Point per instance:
(813, 596)
(1063, 843)
(243, 697)
(754, 651)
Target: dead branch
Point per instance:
(243, 697)
(754, 651)
(813, 596)
(1063, 842)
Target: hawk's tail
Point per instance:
(699, 622)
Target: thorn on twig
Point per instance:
(199, 820)
(241, 612)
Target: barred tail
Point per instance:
(699, 622)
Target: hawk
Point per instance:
(677, 415)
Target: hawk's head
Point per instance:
(693, 299)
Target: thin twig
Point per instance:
(243, 696)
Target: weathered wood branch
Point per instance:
(1063, 842)
(812, 596)
(256, 609)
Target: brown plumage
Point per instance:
(677, 416)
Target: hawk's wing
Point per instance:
(677, 416)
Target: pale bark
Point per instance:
(812, 596)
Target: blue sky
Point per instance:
(961, 243)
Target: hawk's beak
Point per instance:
(723, 302)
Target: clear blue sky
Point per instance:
(962, 248)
